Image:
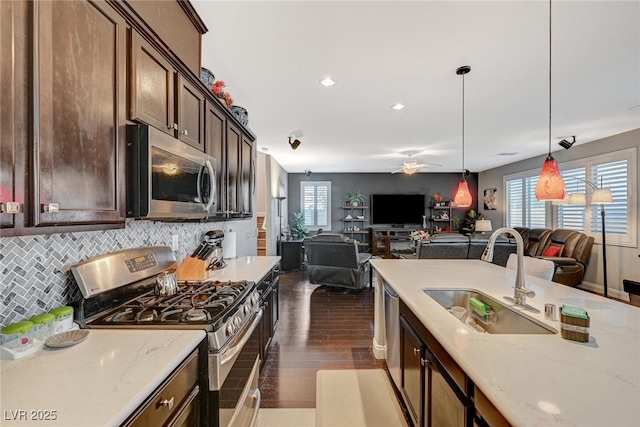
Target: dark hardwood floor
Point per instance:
(320, 327)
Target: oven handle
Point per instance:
(258, 397)
(232, 352)
(212, 178)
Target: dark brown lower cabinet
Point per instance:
(435, 391)
(176, 402)
(269, 289)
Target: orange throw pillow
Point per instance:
(553, 251)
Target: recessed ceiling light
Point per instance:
(398, 106)
(509, 153)
(265, 148)
(327, 82)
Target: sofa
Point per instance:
(568, 249)
(458, 246)
(334, 260)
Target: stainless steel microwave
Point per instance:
(166, 178)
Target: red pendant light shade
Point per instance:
(551, 186)
(463, 197)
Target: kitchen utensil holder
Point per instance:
(193, 269)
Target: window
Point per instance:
(316, 204)
(616, 171)
(522, 207)
(572, 216)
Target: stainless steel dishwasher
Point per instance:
(392, 329)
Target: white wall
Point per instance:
(271, 182)
(622, 262)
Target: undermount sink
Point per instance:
(501, 320)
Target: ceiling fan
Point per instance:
(411, 165)
(295, 135)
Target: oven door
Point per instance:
(166, 177)
(233, 379)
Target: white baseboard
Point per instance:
(379, 351)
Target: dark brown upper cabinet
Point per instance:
(215, 130)
(152, 77)
(163, 98)
(14, 92)
(79, 122)
(234, 152)
(190, 114)
(247, 184)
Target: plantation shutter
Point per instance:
(614, 176)
(572, 217)
(316, 204)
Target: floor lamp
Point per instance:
(602, 196)
(280, 199)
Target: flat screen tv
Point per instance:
(397, 209)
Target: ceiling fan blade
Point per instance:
(398, 170)
(429, 165)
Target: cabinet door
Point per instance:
(234, 150)
(14, 93)
(265, 325)
(190, 114)
(412, 381)
(79, 92)
(442, 406)
(275, 305)
(246, 177)
(215, 130)
(152, 90)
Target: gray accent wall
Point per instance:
(622, 262)
(428, 184)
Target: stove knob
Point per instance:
(247, 309)
(237, 320)
(229, 329)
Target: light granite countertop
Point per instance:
(251, 268)
(533, 380)
(98, 382)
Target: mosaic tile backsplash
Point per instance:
(35, 271)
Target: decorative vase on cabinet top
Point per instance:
(241, 114)
(207, 77)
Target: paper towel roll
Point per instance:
(229, 245)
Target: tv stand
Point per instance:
(384, 239)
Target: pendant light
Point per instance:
(463, 197)
(551, 186)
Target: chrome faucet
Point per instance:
(520, 292)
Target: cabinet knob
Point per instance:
(10, 207)
(166, 403)
(185, 132)
(173, 126)
(416, 351)
(51, 207)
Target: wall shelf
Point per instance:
(354, 226)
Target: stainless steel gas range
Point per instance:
(119, 291)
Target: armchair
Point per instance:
(572, 258)
(334, 260)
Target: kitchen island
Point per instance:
(98, 382)
(530, 379)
